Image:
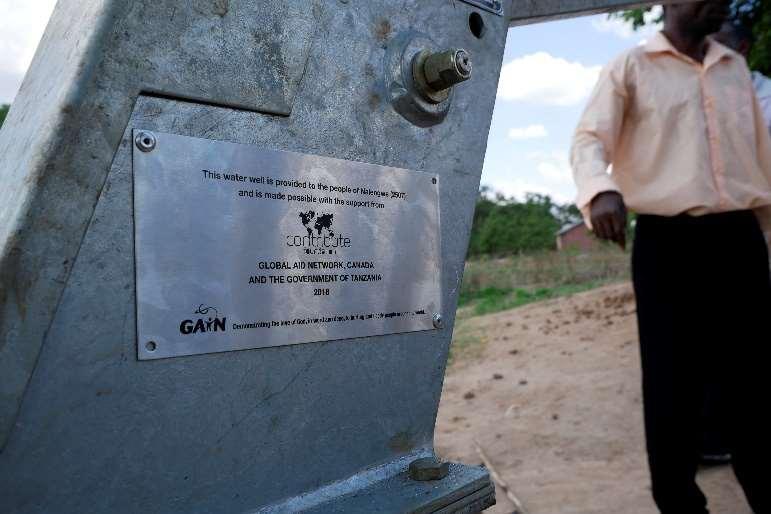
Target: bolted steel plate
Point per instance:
(240, 247)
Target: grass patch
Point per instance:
(495, 299)
(545, 269)
(468, 340)
(498, 284)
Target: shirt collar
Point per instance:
(658, 44)
(715, 52)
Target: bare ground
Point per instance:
(551, 393)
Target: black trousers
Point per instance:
(704, 310)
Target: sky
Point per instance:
(22, 23)
(548, 72)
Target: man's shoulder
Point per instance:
(631, 54)
(622, 61)
(645, 51)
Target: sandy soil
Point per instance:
(553, 397)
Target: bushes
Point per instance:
(506, 226)
(491, 285)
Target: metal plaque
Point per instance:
(241, 247)
(493, 6)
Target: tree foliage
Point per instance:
(504, 226)
(755, 14)
(3, 113)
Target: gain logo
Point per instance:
(321, 237)
(210, 324)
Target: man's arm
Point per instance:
(594, 143)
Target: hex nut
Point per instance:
(420, 82)
(428, 468)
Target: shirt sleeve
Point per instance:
(596, 136)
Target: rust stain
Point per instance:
(383, 29)
(374, 101)
(14, 284)
(401, 442)
(221, 7)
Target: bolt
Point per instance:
(435, 73)
(463, 63)
(145, 141)
(445, 69)
(428, 468)
(438, 321)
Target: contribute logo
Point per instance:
(209, 324)
(320, 234)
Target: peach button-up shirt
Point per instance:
(681, 136)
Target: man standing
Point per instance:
(679, 121)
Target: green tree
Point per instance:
(755, 14)
(3, 113)
(567, 214)
(484, 208)
(503, 226)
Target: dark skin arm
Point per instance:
(608, 215)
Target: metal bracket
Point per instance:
(401, 87)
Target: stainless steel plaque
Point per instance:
(493, 6)
(241, 247)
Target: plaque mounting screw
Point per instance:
(438, 321)
(151, 346)
(145, 141)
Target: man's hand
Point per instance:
(608, 214)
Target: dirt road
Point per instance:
(551, 392)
